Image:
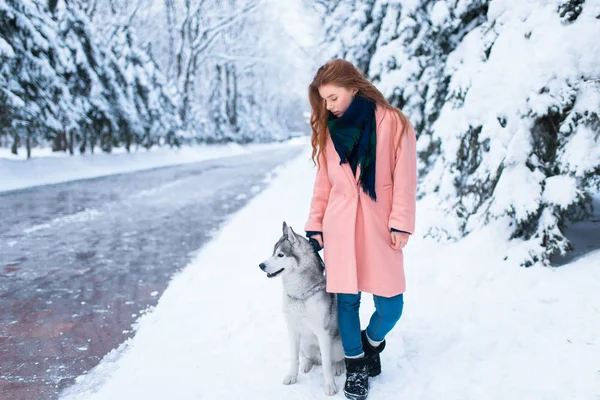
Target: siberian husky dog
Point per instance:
(310, 312)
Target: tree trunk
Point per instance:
(231, 100)
(83, 146)
(15, 145)
(60, 142)
(71, 140)
(52, 5)
(28, 143)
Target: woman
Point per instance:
(363, 208)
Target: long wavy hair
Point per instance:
(342, 73)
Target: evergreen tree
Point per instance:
(63, 85)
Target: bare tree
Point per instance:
(198, 32)
(171, 14)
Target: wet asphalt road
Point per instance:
(80, 260)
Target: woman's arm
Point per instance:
(318, 204)
(404, 195)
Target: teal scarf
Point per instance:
(354, 138)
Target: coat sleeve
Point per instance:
(404, 195)
(320, 197)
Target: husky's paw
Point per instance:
(290, 379)
(339, 368)
(306, 365)
(330, 389)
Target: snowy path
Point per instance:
(474, 326)
(80, 260)
(47, 167)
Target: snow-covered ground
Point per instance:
(474, 326)
(46, 167)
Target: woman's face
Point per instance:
(337, 98)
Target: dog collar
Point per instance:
(310, 292)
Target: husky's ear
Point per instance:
(285, 228)
(291, 235)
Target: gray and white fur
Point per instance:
(310, 312)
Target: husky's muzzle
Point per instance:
(270, 275)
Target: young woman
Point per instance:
(363, 208)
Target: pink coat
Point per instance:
(356, 230)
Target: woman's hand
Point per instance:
(319, 238)
(399, 239)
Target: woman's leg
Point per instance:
(388, 311)
(349, 323)
(357, 365)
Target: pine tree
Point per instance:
(32, 86)
(62, 84)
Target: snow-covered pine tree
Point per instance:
(81, 78)
(505, 107)
(33, 91)
(219, 127)
(62, 85)
(146, 109)
(352, 29)
(9, 102)
(161, 104)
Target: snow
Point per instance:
(582, 153)
(5, 49)
(16, 172)
(439, 13)
(82, 216)
(474, 326)
(519, 190)
(409, 6)
(560, 190)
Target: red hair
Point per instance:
(342, 73)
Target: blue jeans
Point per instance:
(388, 311)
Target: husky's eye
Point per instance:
(279, 255)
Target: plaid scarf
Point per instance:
(354, 138)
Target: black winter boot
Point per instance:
(372, 353)
(357, 378)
